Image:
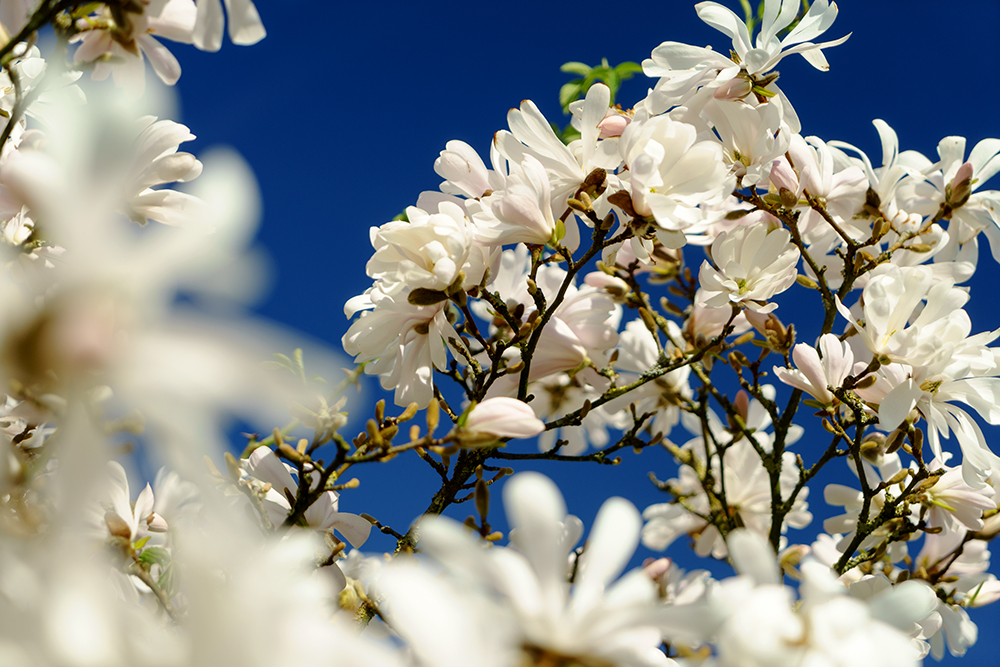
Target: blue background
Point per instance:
(343, 108)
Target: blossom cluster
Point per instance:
(518, 301)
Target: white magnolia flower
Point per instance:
(103, 36)
(952, 504)
(522, 211)
(743, 476)
(841, 188)
(672, 171)
(664, 395)
(813, 374)
(752, 137)
(541, 617)
(755, 620)
(956, 182)
(754, 265)
(567, 166)
(682, 68)
(891, 297)
(402, 342)
(464, 172)
(429, 251)
(123, 519)
(264, 465)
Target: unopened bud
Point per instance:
(920, 247)
(865, 382)
(873, 448)
(880, 229)
(232, 467)
(613, 125)
(409, 413)
(742, 404)
(290, 453)
(433, 415)
(961, 186)
(648, 320)
(898, 477)
(807, 282)
(735, 89)
(482, 496)
(894, 441)
(380, 411)
(916, 438)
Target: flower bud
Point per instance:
(961, 186)
(613, 124)
(735, 89)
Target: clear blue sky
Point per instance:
(343, 108)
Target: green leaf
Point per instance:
(614, 82)
(168, 579)
(575, 68)
(154, 556)
(569, 93)
(628, 67)
(141, 543)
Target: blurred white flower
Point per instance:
(543, 615)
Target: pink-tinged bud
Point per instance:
(505, 418)
(613, 125)
(783, 176)
(961, 186)
(734, 89)
(742, 405)
(656, 568)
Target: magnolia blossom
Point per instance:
(752, 137)
(814, 374)
(428, 251)
(755, 619)
(322, 515)
(891, 297)
(598, 618)
(739, 471)
(954, 505)
(172, 19)
(401, 341)
(754, 265)
(955, 182)
(672, 171)
(124, 519)
(522, 211)
(682, 68)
